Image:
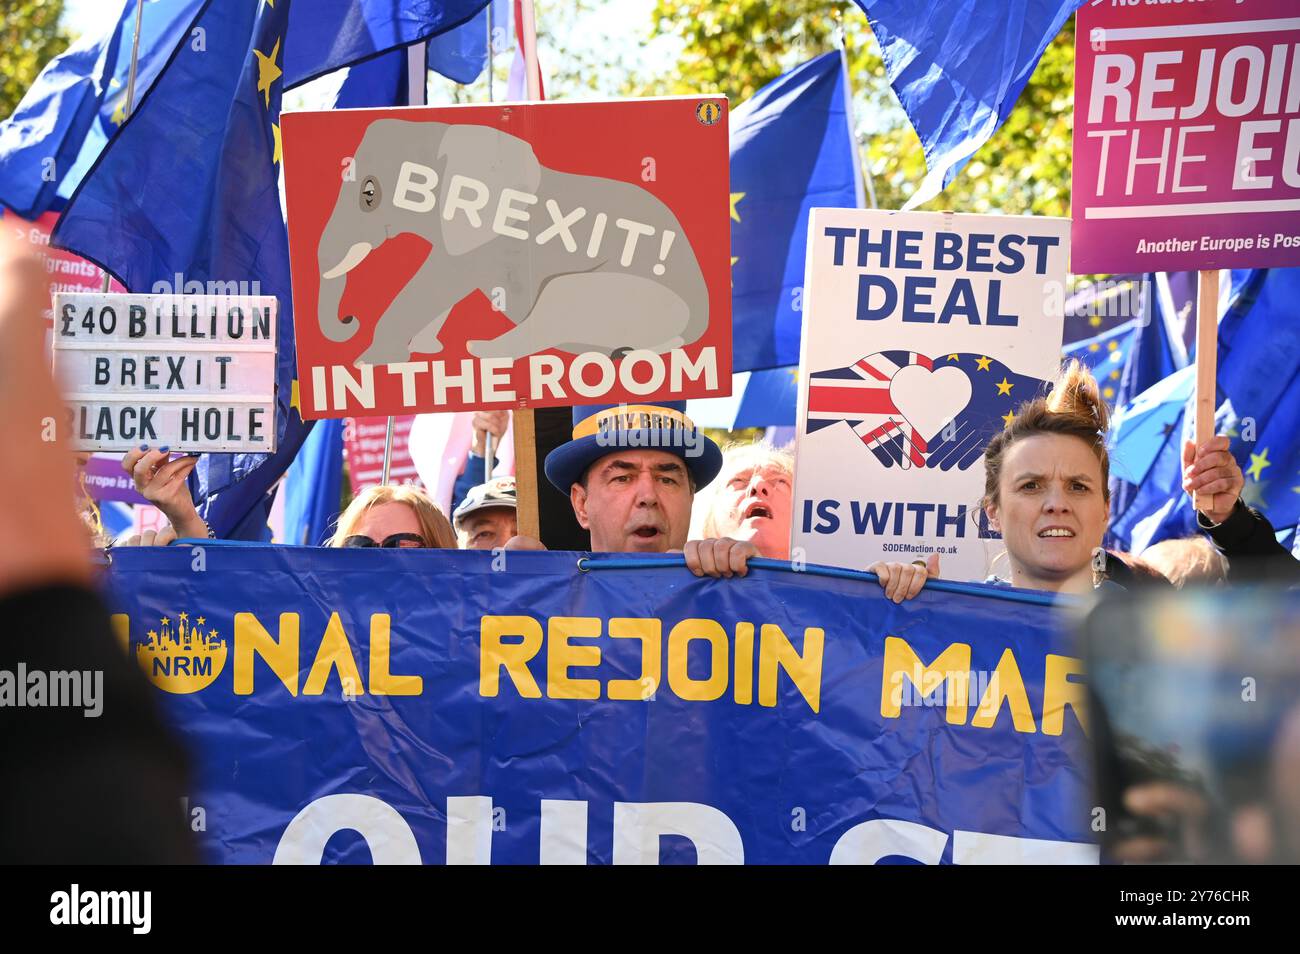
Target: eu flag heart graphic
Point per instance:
(911, 410)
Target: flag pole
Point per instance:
(526, 482)
(532, 74)
(417, 80)
(491, 71)
(388, 451)
(130, 91)
(1207, 360)
(841, 42)
(489, 442)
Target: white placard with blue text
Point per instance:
(922, 332)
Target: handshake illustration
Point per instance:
(911, 410)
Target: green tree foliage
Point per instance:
(30, 37)
(734, 47)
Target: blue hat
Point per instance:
(602, 429)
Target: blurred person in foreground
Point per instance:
(101, 789)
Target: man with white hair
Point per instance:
(752, 498)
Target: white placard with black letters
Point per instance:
(195, 373)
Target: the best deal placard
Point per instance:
(923, 333)
(192, 372)
(1186, 136)
(509, 256)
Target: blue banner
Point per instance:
(465, 707)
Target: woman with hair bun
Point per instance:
(1046, 491)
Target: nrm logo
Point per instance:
(188, 658)
(181, 660)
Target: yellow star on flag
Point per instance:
(983, 363)
(267, 71)
(1257, 464)
(953, 357)
(275, 131)
(734, 260)
(736, 197)
(1007, 418)
(119, 113)
(293, 397)
(1005, 386)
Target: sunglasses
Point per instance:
(395, 541)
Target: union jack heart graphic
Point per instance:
(911, 410)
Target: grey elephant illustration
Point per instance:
(577, 263)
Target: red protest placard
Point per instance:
(509, 256)
(363, 447)
(1186, 136)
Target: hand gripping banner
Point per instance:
(429, 706)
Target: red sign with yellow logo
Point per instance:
(509, 256)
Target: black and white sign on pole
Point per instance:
(195, 373)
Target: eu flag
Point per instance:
(1259, 391)
(768, 398)
(459, 54)
(313, 487)
(189, 187)
(1107, 354)
(791, 150)
(78, 102)
(330, 34)
(958, 66)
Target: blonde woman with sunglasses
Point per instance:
(393, 517)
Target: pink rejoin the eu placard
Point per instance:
(1186, 135)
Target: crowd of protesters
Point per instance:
(1046, 493)
(634, 479)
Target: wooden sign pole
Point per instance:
(526, 476)
(1207, 362)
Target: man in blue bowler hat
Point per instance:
(631, 473)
